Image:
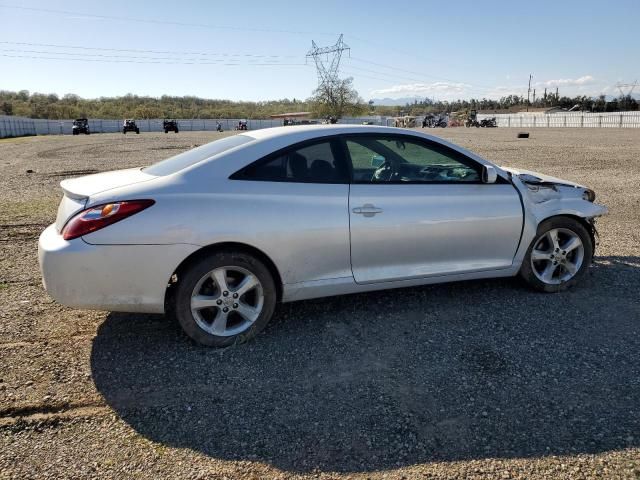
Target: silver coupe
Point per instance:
(216, 236)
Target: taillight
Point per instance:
(99, 216)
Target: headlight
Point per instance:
(589, 195)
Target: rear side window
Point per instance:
(193, 156)
(311, 163)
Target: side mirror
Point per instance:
(489, 174)
(377, 161)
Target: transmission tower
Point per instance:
(626, 89)
(327, 61)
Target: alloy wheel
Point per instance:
(557, 256)
(227, 301)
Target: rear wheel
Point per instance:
(559, 256)
(225, 298)
(137, 131)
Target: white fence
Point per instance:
(11, 126)
(569, 120)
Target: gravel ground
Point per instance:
(478, 379)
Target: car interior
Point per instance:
(398, 160)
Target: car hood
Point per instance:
(86, 186)
(535, 178)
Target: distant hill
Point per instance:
(392, 102)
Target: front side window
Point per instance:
(314, 163)
(402, 159)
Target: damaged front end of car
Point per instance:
(544, 197)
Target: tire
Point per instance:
(198, 280)
(577, 258)
(124, 132)
(176, 130)
(166, 131)
(137, 131)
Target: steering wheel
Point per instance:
(384, 172)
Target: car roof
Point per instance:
(320, 130)
(301, 133)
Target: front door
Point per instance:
(419, 209)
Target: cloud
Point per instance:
(585, 84)
(568, 82)
(441, 89)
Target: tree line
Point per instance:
(512, 103)
(339, 100)
(50, 106)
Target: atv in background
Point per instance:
(80, 125)
(472, 120)
(130, 126)
(170, 125)
(433, 121)
(488, 122)
(242, 125)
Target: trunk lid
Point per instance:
(78, 190)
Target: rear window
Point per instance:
(195, 155)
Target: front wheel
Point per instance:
(225, 298)
(559, 256)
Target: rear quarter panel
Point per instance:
(302, 227)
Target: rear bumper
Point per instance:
(126, 278)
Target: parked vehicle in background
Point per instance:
(217, 235)
(407, 121)
(434, 121)
(472, 120)
(242, 125)
(80, 125)
(130, 126)
(170, 125)
(488, 122)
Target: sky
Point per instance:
(256, 50)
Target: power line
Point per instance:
(133, 50)
(408, 55)
(160, 22)
(194, 61)
(436, 77)
(38, 57)
(388, 76)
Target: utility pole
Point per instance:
(327, 60)
(534, 96)
(545, 96)
(529, 91)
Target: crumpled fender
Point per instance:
(542, 201)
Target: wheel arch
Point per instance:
(214, 248)
(587, 223)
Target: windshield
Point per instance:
(193, 156)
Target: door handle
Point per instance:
(367, 210)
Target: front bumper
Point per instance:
(125, 278)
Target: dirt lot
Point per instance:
(468, 380)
